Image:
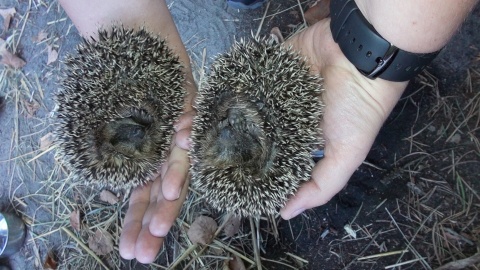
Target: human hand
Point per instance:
(154, 207)
(355, 109)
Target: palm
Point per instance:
(356, 108)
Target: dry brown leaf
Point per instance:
(75, 220)
(108, 197)
(317, 12)
(7, 15)
(236, 264)
(46, 141)
(232, 225)
(42, 35)
(101, 242)
(202, 230)
(31, 107)
(276, 34)
(9, 59)
(52, 54)
(50, 262)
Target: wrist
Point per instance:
(367, 50)
(326, 57)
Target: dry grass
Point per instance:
(438, 221)
(443, 205)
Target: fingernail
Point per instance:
(297, 212)
(178, 193)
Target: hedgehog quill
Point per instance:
(257, 123)
(118, 100)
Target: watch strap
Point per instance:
(369, 52)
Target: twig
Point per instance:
(255, 245)
(303, 14)
(233, 251)
(217, 232)
(409, 245)
(403, 263)
(383, 254)
(364, 249)
(461, 264)
(263, 19)
(87, 249)
(358, 212)
(185, 254)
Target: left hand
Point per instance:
(153, 208)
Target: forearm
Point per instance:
(153, 15)
(411, 25)
(418, 26)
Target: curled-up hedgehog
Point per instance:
(256, 126)
(119, 97)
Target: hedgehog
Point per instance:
(119, 97)
(256, 126)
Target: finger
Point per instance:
(182, 138)
(133, 221)
(166, 213)
(184, 121)
(147, 245)
(176, 173)
(329, 176)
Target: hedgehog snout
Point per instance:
(236, 142)
(126, 135)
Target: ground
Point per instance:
(413, 204)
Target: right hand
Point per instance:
(355, 109)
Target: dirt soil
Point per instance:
(413, 204)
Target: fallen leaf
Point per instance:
(75, 220)
(277, 35)
(455, 138)
(7, 15)
(350, 231)
(31, 107)
(109, 197)
(42, 35)
(202, 230)
(101, 242)
(232, 225)
(52, 54)
(317, 12)
(9, 59)
(50, 262)
(415, 189)
(236, 264)
(46, 141)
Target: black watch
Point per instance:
(369, 52)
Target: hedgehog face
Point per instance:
(237, 137)
(128, 136)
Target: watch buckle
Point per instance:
(382, 63)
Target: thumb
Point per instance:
(329, 176)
